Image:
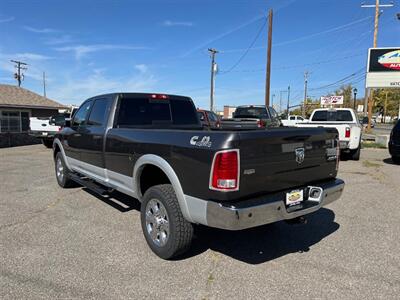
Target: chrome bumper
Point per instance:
(270, 209)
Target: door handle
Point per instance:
(97, 137)
(77, 134)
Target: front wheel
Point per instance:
(167, 232)
(48, 143)
(62, 172)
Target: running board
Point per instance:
(94, 187)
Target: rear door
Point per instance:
(92, 136)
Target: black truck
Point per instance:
(252, 117)
(153, 148)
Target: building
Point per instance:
(17, 105)
(228, 111)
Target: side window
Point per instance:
(98, 114)
(292, 118)
(300, 118)
(211, 117)
(80, 115)
(273, 112)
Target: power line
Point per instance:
(340, 81)
(248, 48)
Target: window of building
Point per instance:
(14, 121)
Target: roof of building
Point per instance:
(14, 96)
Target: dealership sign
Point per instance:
(383, 68)
(331, 100)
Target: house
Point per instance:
(17, 105)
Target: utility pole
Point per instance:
(19, 66)
(288, 101)
(44, 84)
(303, 111)
(370, 102)
(269, 50)
(213, 71)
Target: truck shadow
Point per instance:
(265, 243)
(389, 161)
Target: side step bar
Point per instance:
(94, 187)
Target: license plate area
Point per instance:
(294, 197)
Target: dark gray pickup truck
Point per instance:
(153, 148)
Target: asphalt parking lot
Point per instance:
(57, 243)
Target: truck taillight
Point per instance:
(225, 171)
(261, 124)
(347, 134)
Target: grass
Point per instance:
(370, 164)
(372, 145)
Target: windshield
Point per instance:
(334, 115)
(251, 112)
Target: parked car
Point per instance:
(46, 128)
(153, 147)
(394, 143)
(252, 117)
(209, 119)
(364, 122)
(293, 120)
(347, 124)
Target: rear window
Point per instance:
(334, 115)
(251, 112)
(144, 112)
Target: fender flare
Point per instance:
(59, 144)
(169, 171)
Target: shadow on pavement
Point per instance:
(265, 243)
(117, 200)
(389, 161)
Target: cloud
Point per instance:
(31, 56)
(142, 68)
(169, 23)
(75, 91)
(64, 39)
(82, 50)
(5, 20)
(40, 30)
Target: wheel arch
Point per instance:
(165, 167)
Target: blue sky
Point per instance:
(92, 47)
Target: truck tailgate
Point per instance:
(341, 128)
(272, 160)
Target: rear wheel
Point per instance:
(48, 143)
(62, 172)
(355, 154)
(167, 232)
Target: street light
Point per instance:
(355, 98)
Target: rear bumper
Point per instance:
(42, 134)
(269, 209)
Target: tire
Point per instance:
(172, 234)
(48, 143)
(396, 159)
(62, 172)
(355, 154)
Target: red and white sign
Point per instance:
(332, 100)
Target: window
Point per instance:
(335, 115)
(147, 112)
(300, 118)
(14, 121)
(251, 112)
(81, 114)
(99, 112)
(201, 115)
(273, 112)
(212, 117)
(292, 118)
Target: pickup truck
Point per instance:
(40, 127)
(45, 128)
(252, 117)
(154, 148)
(346, 122)
(293, 120)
